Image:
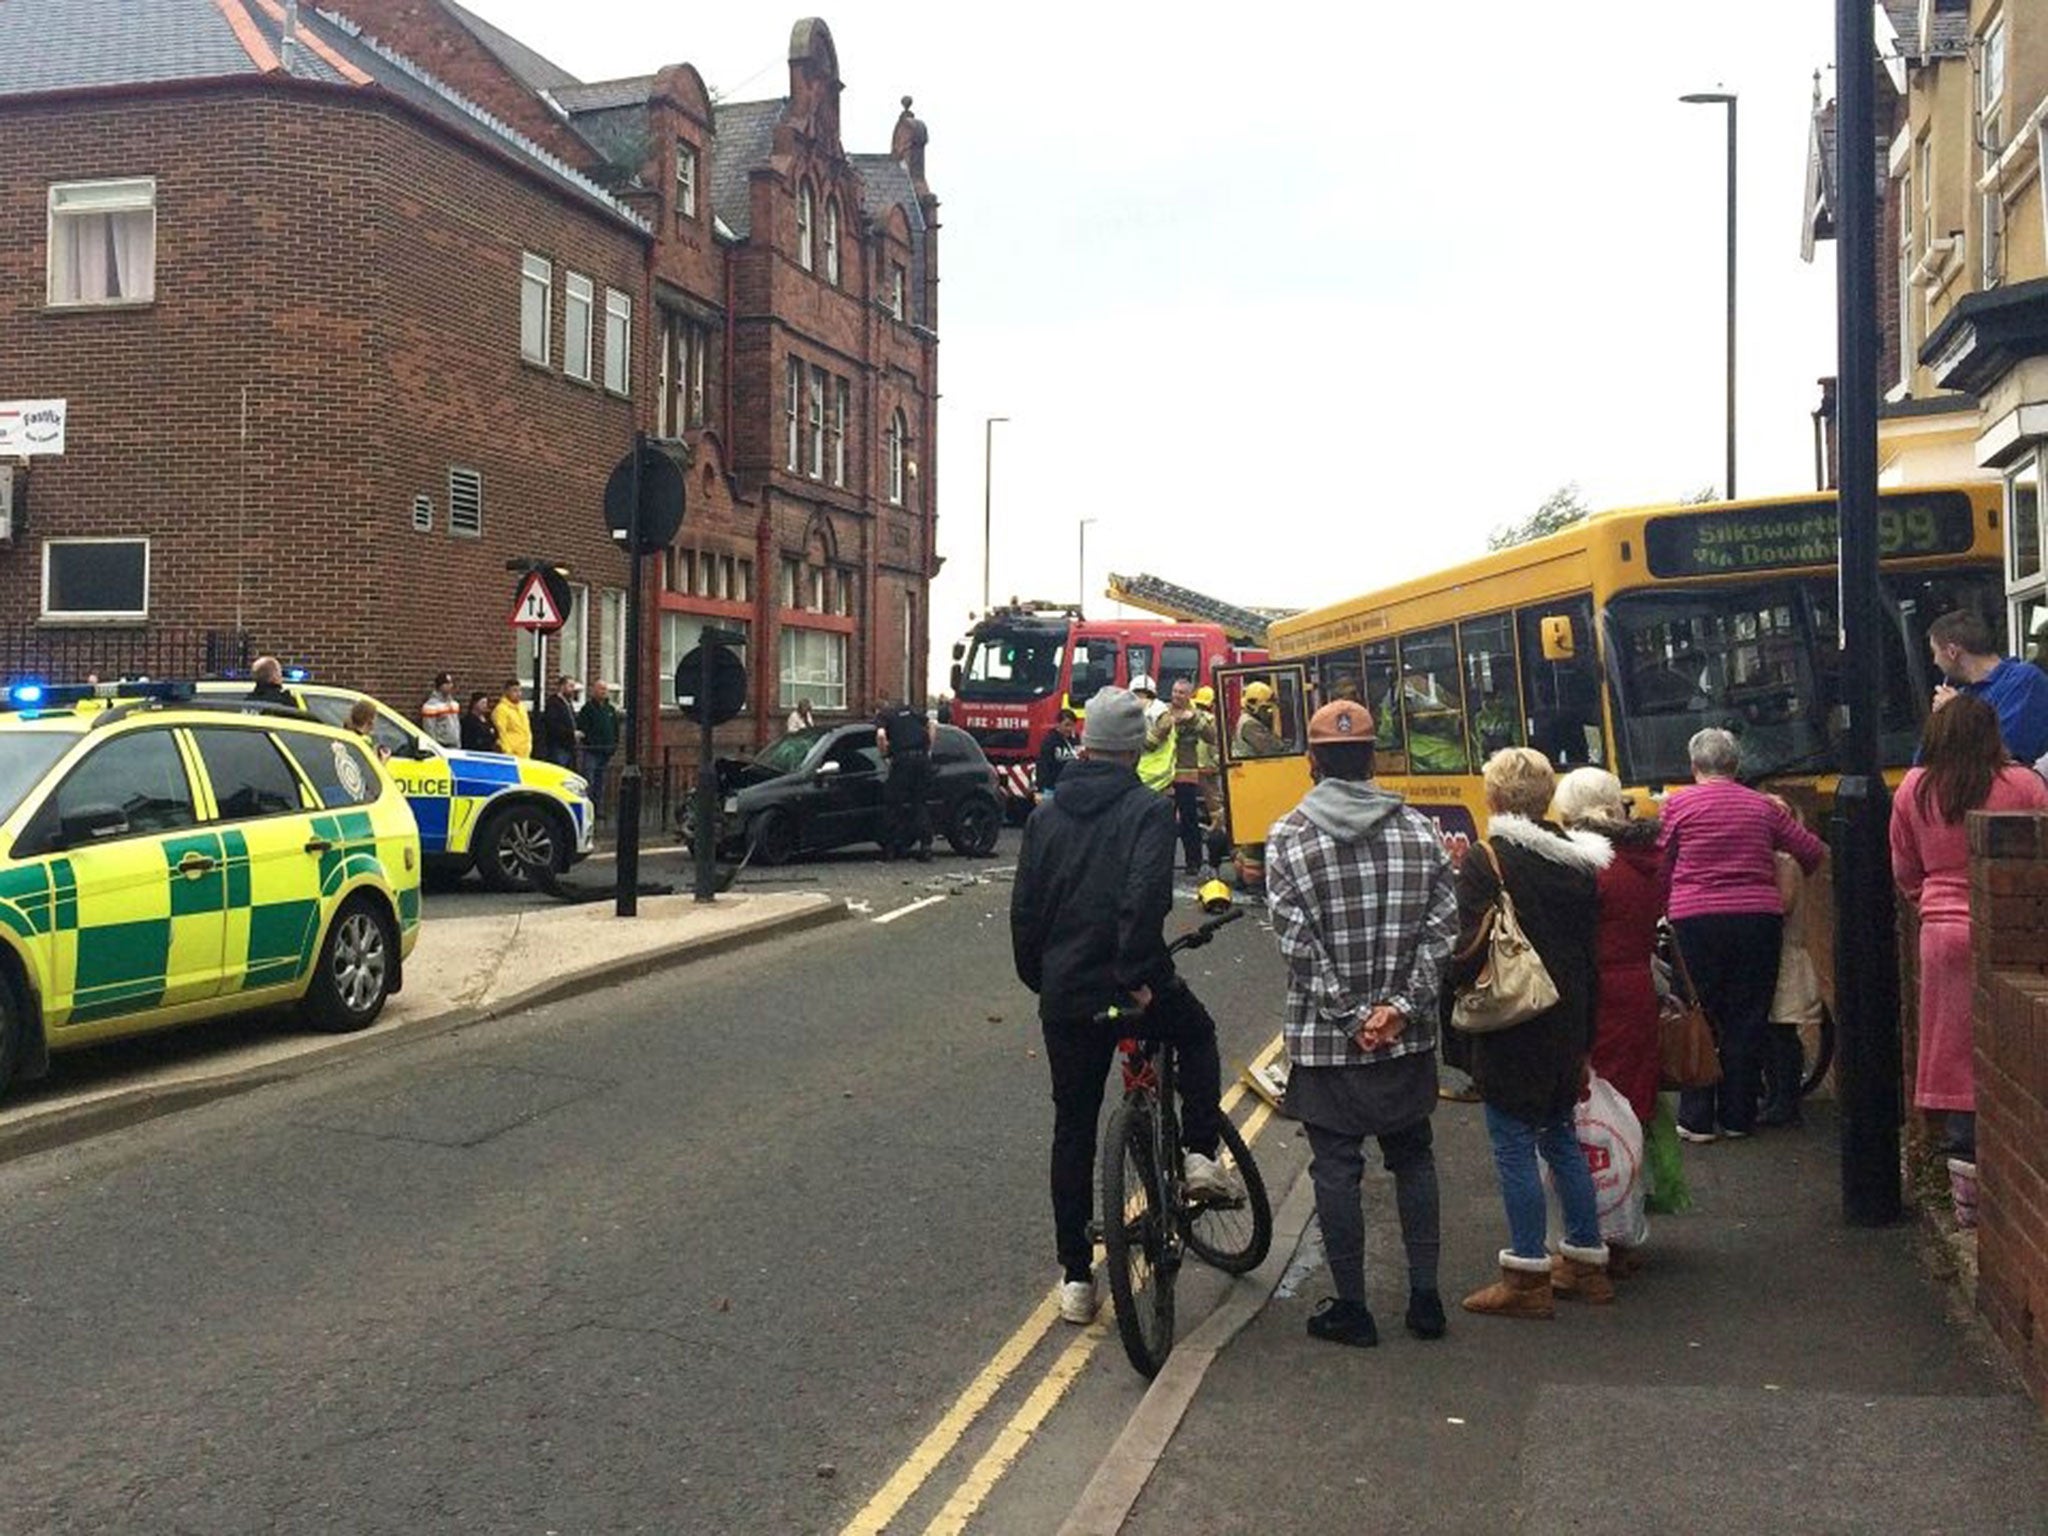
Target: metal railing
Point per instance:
(55, 653)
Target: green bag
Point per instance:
(1668, 1195)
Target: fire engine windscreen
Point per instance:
(1016, 664)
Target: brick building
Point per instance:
(351, 306)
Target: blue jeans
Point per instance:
(595, 761)
(1516, 1144)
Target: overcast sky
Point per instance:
(1296, 300)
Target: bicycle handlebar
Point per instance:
(1117, 1012)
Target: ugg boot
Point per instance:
(1523, 1289)
(1580, 1274)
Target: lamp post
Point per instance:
(1081, 573)
(1726, 99)
(988, 441)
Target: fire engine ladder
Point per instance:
(1246, 626)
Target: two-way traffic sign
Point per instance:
(541, 602)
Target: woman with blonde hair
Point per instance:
(1631, 904)
(1530, 1075)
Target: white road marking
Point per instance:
(890, 917)
(613, 853)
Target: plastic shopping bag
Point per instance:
(1613, 1141)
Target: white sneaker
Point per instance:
(1207, 1179)
(1078, 1301)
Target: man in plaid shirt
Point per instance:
(1362, 898)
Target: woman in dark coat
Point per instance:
(1625, 1049)
(1530, 1075)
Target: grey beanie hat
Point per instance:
(1115, 722)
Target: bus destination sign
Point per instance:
(1774, 538)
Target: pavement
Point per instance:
(1771, 1370)
(465, 969)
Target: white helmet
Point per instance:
(1143, 683)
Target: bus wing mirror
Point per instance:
(956, 679)
(959, 649)
(1558, 644)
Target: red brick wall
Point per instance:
(2009, 930)
(332, 330)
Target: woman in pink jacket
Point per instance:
(1721, 840)
(1963, 768)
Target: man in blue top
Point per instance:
(1967, 656)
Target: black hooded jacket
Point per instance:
(1094, 886)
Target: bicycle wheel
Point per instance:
(1233, 1235)
(1817, 1045)
(1137, 1238)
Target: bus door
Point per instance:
(1265, 761)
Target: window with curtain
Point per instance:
(813, 667)
(102, 242)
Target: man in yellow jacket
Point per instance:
(515, 730)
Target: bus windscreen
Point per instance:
(1724, 543)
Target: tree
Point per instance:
(1561, 508)
(1700, 497)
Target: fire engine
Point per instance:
(1022, 664)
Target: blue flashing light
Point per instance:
(25, 695)
(298, 674)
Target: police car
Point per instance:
(163, 860)
(487, 809)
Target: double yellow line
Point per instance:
(939, 1442)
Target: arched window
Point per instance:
(832, 241)
(803, 225)
(899, 431)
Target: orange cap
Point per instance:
(1341, 721)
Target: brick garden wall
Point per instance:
(2009, 931)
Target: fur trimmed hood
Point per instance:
(1632, 833)
(1581, 850)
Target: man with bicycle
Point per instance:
(1364, 906)
(1087, 929)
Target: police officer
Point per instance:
(905, 738)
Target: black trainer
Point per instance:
(1425, 1317)
(1343, 1322)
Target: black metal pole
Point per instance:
(1866, 950)
(535, 705)
(627, 896)
(1731, 298)
(707, 773)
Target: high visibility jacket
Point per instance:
(1155, 767)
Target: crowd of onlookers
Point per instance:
(569, 729)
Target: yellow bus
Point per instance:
(1613, 641)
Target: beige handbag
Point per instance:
(1512, 985)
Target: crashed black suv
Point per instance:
(823, 788)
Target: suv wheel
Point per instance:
(512, 838)
(357, 965)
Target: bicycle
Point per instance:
(1148, 1219)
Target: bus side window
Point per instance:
(1493, 697)
(1562, 693)
(1383, 698)
(1431, 697)
(1339, 676)
(1138, 658)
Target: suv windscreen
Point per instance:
(1020, 663)
(788, 754)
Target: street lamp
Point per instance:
(1081, 575)
(988, 438)
(1726, 99)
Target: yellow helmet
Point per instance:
(1205, 696)
(1258, 693)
